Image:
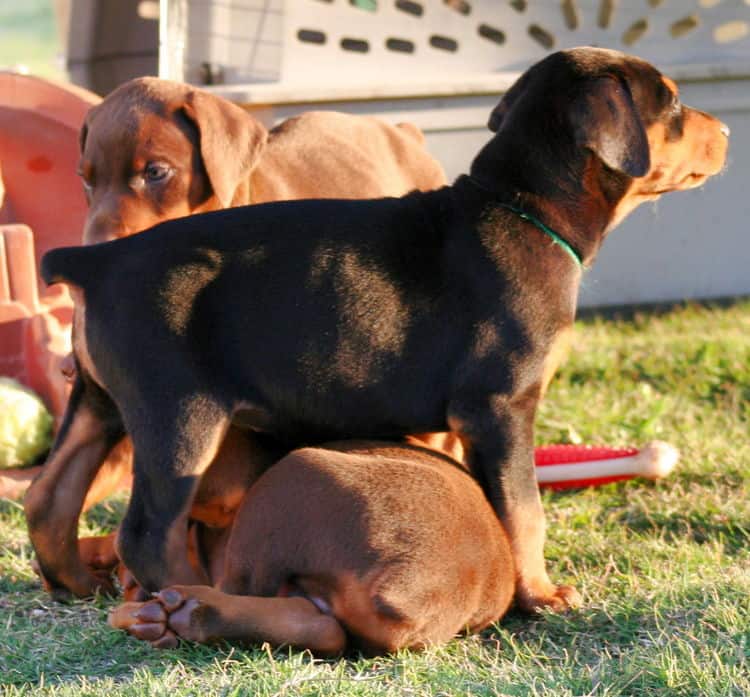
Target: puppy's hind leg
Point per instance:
(204, 614)
(53, 503)
(173, 445)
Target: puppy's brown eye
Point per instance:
(156, 171)
(88, 185)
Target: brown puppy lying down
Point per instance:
(371, 546)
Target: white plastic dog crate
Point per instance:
(443, 65)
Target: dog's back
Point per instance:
(398, 541)
(371, 285)
(327, 154)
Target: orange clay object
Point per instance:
(42, 206)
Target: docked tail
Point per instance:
(72, 265)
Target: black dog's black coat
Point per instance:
(317, 320)
(386, 298)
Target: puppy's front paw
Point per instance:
(145, 621)
(547, 596)
(86, 584)
(176, 612)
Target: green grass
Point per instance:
(664, 568)
(28, 37)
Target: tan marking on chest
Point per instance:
(558, 353)
(80, 347)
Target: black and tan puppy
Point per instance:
(318, 320)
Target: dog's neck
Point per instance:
(579, 206)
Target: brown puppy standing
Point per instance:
(155, 150)
(388, 316)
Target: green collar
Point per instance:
(559, 241)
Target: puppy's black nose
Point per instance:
(725, 130)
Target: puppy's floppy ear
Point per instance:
(83, 133)
(497, 115)
(605, 120)
(231, 141)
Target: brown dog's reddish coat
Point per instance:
(156, 149)
(389, 547)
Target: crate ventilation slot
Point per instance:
(289, 41)
(605, 15)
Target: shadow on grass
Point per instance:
(697, 631)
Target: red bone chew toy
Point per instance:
(573, 466)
